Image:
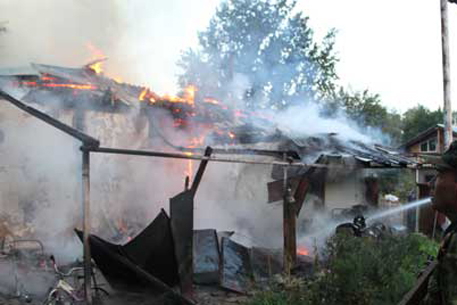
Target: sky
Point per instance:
(390, 47)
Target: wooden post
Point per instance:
(289, 226)
(86, 225)
(447, 109)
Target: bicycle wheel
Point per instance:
(56, 298)
(99, 294)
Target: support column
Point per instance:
(447, 109)
(86, 225)
(289, 226)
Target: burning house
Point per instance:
(314, 172)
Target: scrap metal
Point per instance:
(236, 269)
(206, 257)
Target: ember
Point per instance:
(302, 251)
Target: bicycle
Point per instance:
(64, 293)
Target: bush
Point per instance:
(359, 271)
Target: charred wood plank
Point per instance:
(276, 188)
(300, 194)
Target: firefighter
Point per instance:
(442, 285)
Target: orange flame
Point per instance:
(72, 86)
(54, 85)
(143, 94)
(302, 251)
(189, 94)
(97, 67)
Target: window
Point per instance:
(429, 145)
(424, 146)
(432, 145)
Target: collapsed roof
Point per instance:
(87, 88)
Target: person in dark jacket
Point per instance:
(442, 285)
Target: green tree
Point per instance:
(419, 119)
(266, 50)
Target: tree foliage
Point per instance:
(419, 119)
(261, 53)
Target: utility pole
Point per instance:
(446, 75)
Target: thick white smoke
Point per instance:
(129, 189)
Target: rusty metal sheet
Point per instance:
(236, 270)
(182, 224)
(206, 257)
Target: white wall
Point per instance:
(345, 191)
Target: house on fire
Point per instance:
(82, 96)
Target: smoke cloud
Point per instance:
(127, 191)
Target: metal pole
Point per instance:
(447, 109)
(416, 226)
(212, 159)
(86, 225)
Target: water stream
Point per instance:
(401, 208)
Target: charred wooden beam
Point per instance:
(88, 141)
(86, 226)
(290, 232)
(201, 170)
(289, 226)
(300, 193)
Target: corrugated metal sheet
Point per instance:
(331, 145)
